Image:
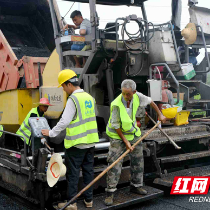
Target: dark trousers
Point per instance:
(75, 159)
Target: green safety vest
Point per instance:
(1, 128)
(129, 127)
(82, 130)
(25, 129)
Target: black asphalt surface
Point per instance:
(173, 202)
(8, 203)
(166, 202)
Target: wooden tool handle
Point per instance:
(168, 137)
(109, 167)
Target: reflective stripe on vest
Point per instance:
(25, 129)
(128, 126)
(82, 130)
(1, 128)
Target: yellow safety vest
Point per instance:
(129, 127)
(1, 128)
(25, 129)
(82, 130)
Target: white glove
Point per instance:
(43, 140)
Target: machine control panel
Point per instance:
(37, 124)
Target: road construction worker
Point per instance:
(2, 137)
(1, 128)
(79, 120)
(25, 129)
(84, 27)
(167, 95)
(123, 133)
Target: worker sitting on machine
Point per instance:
(123, 133)
(167, 99)
(25, 129)
(167, 96)
(85, 29)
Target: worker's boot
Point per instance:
(109, 198)
(138, 190)
(69, 207)
(88, 204)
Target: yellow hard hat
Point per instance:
(65, 75)
(170, 112)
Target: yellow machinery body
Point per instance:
(50, 90)
(15, 104)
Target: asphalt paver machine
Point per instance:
(114, 55)
(117, 54)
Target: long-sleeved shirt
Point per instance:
(115, 119)
(69, 114)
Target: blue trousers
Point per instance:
(77, 47)
(74, 160)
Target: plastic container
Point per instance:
(187, 72)
(66, 33)
(182, 118)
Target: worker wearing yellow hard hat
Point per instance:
(79, 120)
(66, 75)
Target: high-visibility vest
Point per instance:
(25, 129)
(82, 130)
(128, 126)
(1, 128)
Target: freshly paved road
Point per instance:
(7, 203)
(172, 202)
(166, 202)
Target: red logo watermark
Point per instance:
(190, 185)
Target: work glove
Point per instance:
(43, 140)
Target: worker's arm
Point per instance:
(67, 116)
(82, 32)
(127, 143)
(70, 26)
(45, 132)
(83, 28)
(116, 123)
(160, 115)
(145, 100)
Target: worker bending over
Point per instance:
(79, 120)
(123, 133)
(25, 129)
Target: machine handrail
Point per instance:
(174, 40)
(206, 52)
(170, 72)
